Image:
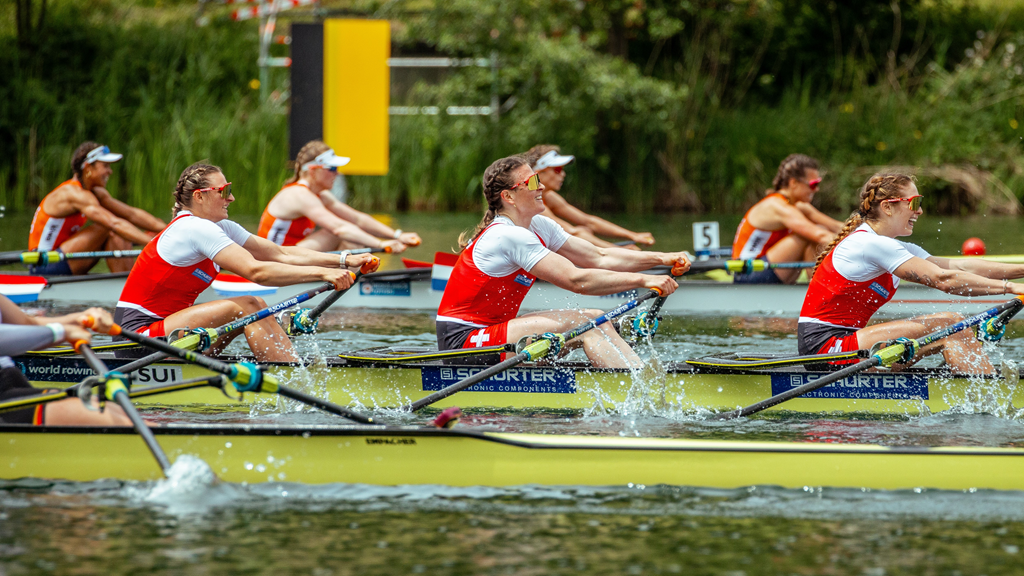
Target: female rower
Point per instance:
(513, 246)
(306, 202)
(161, 291)
(859, 272)
(549, 164)
(784, 226)
(59, 220)
(20, 333)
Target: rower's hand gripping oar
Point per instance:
(246, 376)
(901, 350)
(305, 321)
(547, 343)
(115, 387)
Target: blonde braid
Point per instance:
(497, 177)
(878, 188)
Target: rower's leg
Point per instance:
(962, 351)
(266, 338)
(602, 345)
(792, 248)
(323, 241)
(71, 412)
(88, 239)
(115, 242)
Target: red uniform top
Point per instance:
(749, 242)
(834, 300)
(47, 232)
(474, 298)
(285, 232)
(159, 289)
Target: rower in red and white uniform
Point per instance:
(861, 269)
(305, 202)
(161, 291)
(60, 221)
(514, 246)
(784, 226)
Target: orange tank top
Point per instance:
(284, 232)
(47, 232)
(750, 242)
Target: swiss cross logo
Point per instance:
(480, 339)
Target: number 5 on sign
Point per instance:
(705, 236)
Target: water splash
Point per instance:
(191, 487)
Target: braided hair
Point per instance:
(497, 177)
(794, 166)
(883, 186)
(193, 178)
(78, 156)
(307, 153)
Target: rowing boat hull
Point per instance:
(683, 388)
(695, 297)
(402, 456)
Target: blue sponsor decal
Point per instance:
(202, 275)
(858, 386)
(524, 280)
(879, 290)
(385, 288)
(522, 380)
(438, 284)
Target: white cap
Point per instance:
(327, 159)
(551, 160)
(101, 154)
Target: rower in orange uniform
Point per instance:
(513, 246)
(860, 270)
(59, 222)
(160, 293)
(305, 202)
(784, 226)
(549, 163)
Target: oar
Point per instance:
(743, 266)
(247, 376)
(137, 392)
(903, 349)
(646, 323)
(378, 250)
(115, 387)
(547, 343)
(54, 256)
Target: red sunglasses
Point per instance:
(557, 169)
(915, 201)
(813, 184)
(532, 183)
(225, 190)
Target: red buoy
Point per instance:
(973, 247)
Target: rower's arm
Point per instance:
(360, 219)
(123, 228)
(793, 219)
(559, 271)
(986, 268)
(328, 220)
(587, 255)
(819, 217)
(136, 216)
(561, 208)
(953, 281)
(237, 259)
(265, 250)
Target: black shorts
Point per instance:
(452, 335)
(812, 336)
(14, 385)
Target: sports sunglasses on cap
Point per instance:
(915, 201)
(532, 183)
(225, 190)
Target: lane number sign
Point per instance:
(705, 236)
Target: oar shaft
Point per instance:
(120, 395)
(322, 404)
(331, 299)
(271, 310)
(54, 256)
(171, 350)
(474, 379)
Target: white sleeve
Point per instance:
(915, 250)
(234, 231)
(864, 255)
(553, 235)
(503, 249)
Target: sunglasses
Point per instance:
(225, 190)
(813, 184)
(532, 183)
(328, 168)
(915, 201)
(557, 169)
